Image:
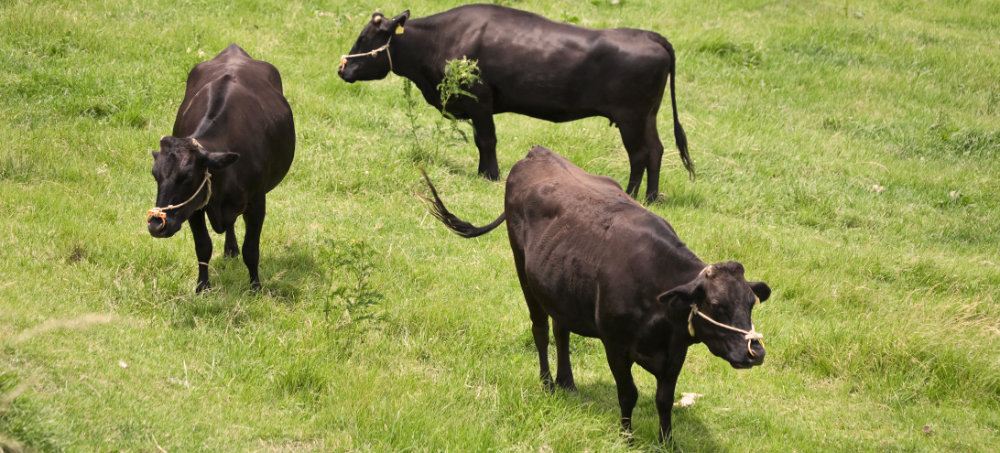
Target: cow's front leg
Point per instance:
(621, 369)
(254, 220)
(202, 248)
(486, 141)
(231, 249)
(666, 383)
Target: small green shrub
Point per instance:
(351, 304)
(459, 75)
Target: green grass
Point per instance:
(847, 154)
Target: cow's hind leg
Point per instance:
(486, 141)
(202, 248)
(540, 332)
(254, 220)
(231, 249)
(653, 159)
(645, 152)
(564, 371)
(539, 319)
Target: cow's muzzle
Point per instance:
(158, 224)
(156, 218)
(159, 215)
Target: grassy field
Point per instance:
(847, 155)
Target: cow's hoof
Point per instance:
(625, 432)
(231, 253)
(568, 386)
(666, 437)
(202, 286)
(255, 286)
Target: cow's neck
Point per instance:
(414, 56)
(209, 142)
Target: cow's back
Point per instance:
(537, 66)
(545, 187)
(238, 102)
(259, 76)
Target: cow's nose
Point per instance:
(346, 74)
(156, 226)
(156, 222)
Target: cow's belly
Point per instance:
(564, 287)
(556, 113)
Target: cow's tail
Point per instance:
(679, 137)
(455, 224)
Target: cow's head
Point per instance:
(721, 294)
(369, 58)
(181, 168)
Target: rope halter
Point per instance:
(372, 53)
(162, 212)
(749, 336)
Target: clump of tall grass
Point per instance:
(349, 307)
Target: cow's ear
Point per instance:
(401, 18)
(683, 296)
(221, 159)
(155, 153)
(761, 290)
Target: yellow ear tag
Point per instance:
(694, 308)
(399, 29)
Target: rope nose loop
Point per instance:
(372, 53)
(748, 335)
(157, 212)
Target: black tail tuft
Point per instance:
(459, 226)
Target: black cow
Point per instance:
(233, 141)
(600, 265)
(532, 66)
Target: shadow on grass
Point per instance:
(677, 196)
(455, 166)
(689, 432)
(285, 275)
